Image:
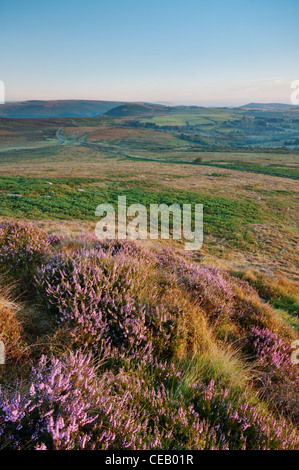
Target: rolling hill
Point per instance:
(57, 108)
(137, 109)
(91, 108)
(269, 106)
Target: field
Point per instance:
(207, 330)
(250, 197)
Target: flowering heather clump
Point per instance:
(224, 298)
(272, 353)
(54, 239)
(208, 419)
(238, 422)
(212, 287)
(170, 422)
(209, 285)
(113, 247)
(22, 247)
(66, 406)
(96, 296)
(122, 246)
(56, 410)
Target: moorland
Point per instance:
(153, 347)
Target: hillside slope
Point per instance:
(113, 345)
(56, 108)
(137, 110)
(269, 106)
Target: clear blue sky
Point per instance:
(192, 51)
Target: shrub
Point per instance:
(272, 353)
(96, 296)
(239, 423)
(65, 405)
(22, 248)
(56, 408)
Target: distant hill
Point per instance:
(137, 109)
(91, 108)
(57, 108)
(268, 106)
(183, 107)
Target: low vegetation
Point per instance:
(122, 345)
(117, 345)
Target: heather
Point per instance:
(121, 346)
(21, 246)
(97, 298)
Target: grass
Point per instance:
(10, 325)
(269, 218)
(281, 293)
(275, 171)
(139, 138)
(223, 216)
(193, 117)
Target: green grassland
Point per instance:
(77, 198)
(199, 116)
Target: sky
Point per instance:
(209, 53)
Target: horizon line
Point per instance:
(160, 103)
